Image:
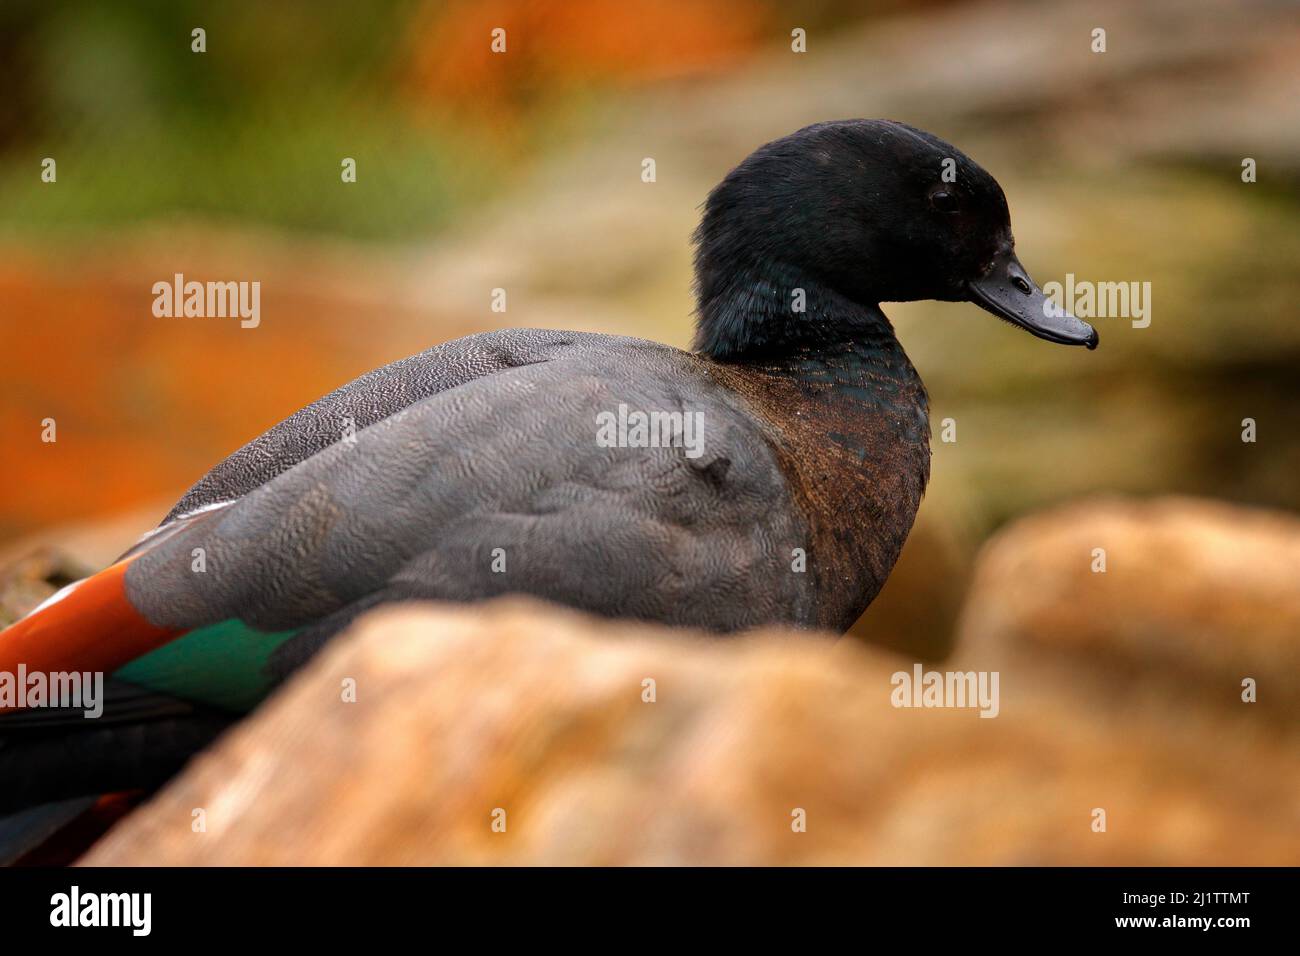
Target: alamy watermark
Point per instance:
(133, 911)
(76, 690)
(209, 300)
(922, 688)
(638, 429)
(1099, 300)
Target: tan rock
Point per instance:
(539, 712)
(1196, 596)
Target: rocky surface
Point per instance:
(1119, 692)
(1195, 597)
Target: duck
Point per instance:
(477, 468)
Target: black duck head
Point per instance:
(867, 211)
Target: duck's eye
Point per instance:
(943, 201)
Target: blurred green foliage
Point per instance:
(253, 129)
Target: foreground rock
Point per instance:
(1196, 597)
(521, 714)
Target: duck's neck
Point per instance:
(774, 319)
(758, 310)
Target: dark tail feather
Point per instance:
(42, 767)
(23, 833)
(55, 762)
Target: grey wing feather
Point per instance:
(420, 503)
(365, 401)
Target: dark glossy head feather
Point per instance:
(861, 208)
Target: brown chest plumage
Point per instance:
(851, 434)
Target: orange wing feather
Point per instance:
(91, 628)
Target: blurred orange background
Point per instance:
(520, 170)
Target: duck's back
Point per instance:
(377, 395)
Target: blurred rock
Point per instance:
(1197, 595)
(461, 713)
